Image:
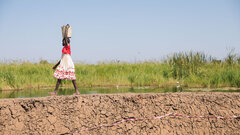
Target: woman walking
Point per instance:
(65, 67)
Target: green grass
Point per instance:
(190, 69)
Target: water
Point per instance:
(44, 92)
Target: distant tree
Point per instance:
(43, 62)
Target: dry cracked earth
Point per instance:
(66, 114)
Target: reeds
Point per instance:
(186, 64)
(193, 69)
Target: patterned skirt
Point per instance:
(66, 69)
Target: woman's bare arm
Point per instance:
(56, 65)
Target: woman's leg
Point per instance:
(57, 86)
(75, 86)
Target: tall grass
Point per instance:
(186, 64)
(193, 69)
(25, 75)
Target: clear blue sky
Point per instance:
(127, 30)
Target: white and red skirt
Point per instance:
(66, 69)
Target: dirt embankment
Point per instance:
(66, 114)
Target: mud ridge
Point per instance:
(66, 114)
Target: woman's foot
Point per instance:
(53, 93)
(76, 93)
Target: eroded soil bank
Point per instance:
(66, 114)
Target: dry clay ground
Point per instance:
(66, 114)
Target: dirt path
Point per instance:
(65, 114)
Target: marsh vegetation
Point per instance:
(193, 69)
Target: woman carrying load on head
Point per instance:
(65, 68)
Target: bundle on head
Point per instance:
(66, 31)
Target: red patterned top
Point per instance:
(66, 50)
